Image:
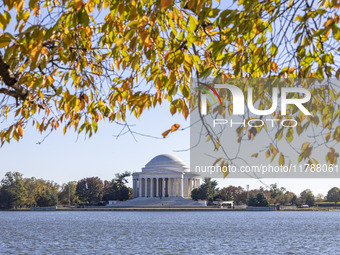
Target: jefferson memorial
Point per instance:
(165, 176)
(165, 181)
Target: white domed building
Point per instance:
(165, 176)
(166, 181)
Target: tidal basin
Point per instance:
(184, 232)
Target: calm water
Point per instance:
(169, 232)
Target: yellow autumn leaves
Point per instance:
(16, 131)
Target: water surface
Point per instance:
(169, 232)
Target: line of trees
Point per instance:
(19, 192)
(260, 197)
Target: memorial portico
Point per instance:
(165, 176)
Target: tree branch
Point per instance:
(11, 81)
(8, 92)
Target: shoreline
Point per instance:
(160, 209)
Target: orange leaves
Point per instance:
(191, 4)
(305, 146)
(121, 8)
(195, 5)
(166, 4)
(187, 64)
(78, 4)
(274, 67)
(306, 151)
(274, 150)
(239, 42)
(44, 50)
(36, 11)
(20, 131)
(89, 6)
(328, 22)
(148, 42)
(257, 28)
(287, 71)
(180, 106)
(173, 128)
(165, 134)
(166, 57)
(291, 70)
(331, 21)
(185, 109)
(258, 51)
(19, 5)
(173, 109)
(252, 133)
(332, 156)
(5, 135)
(145, 38)
(50, 79)
(33, 52)
(16, 131)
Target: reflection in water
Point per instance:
(169, 232)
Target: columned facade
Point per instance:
(164, 176)
(164, 187)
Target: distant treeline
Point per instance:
(19, 192)
(260, 197)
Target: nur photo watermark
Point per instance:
(265, 128)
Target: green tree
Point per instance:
(67, 58)
(117, 189)
(13, 192)
(32, 188)
(67, 195)
(222, 195)
(307, 197)
(252, 201)
(47, 198)
(237, 194)
(333, 195)
(241, 198)
(198, 194)
(259, 200)
(121, 178)
(206, 191)
(289, 198)
(277, 194)
(262, 199)
(36, 187)
(90, 190)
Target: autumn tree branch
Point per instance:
(11, 81)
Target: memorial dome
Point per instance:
(166, 161)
